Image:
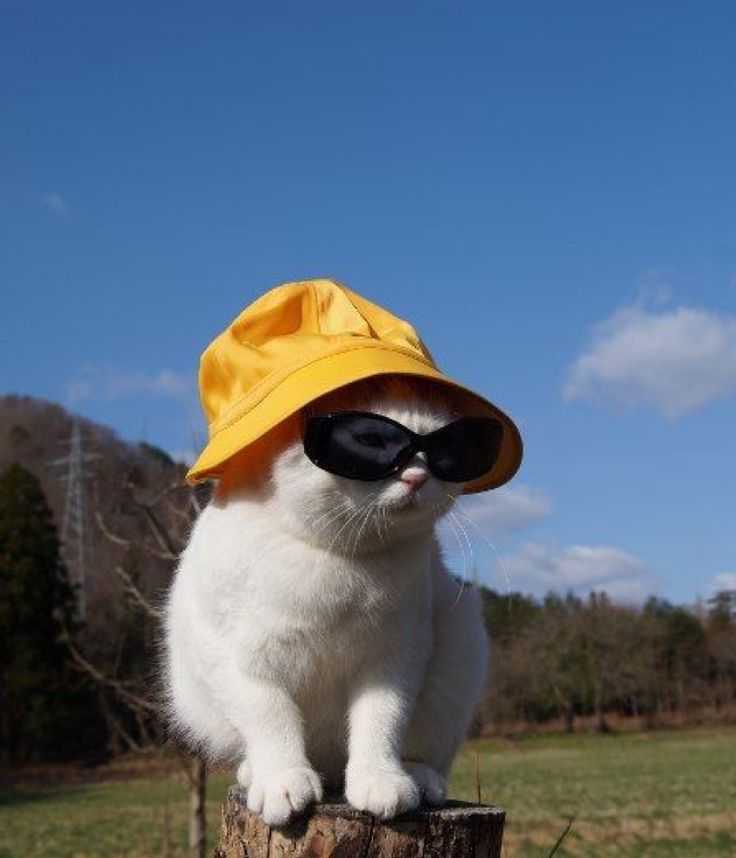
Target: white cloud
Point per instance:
(724, 581)
(109, 383)
(54, 202)
(506, 510)
(539, 568)
(674, 360)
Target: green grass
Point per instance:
(647, 794)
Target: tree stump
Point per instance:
(336, 830)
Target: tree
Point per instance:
(506, 616)
(134, 707)
(42, 702)
(557, 639)
(679, 644)
(721, 637)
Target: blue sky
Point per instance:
(547, 191)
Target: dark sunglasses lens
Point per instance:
(465, 449)
(359, 446)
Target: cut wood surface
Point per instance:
(336, 830)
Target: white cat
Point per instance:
(313, 633)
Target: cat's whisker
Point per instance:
(464, 532)
(336, 506)
(460, 546)
(359, 530)
(330, 514)
(328, 518)
(383, 525)
(354, 521)
(493, 548)
(378, 521)
(438, 506)
(356, 512)
(350, 531)
(385, 521)
(348, 547)
(464, 582)
(371, 508)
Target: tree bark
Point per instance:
(198, 809)
(333, 830)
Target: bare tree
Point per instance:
(135, 712)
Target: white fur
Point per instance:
(314, 634)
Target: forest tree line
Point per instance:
(566, 658)
(65, 694)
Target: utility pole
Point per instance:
(73, 528)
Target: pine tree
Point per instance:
(37, 688)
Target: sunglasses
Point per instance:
(365, 446)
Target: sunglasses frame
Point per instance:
(417, 443)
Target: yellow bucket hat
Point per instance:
(300, 341)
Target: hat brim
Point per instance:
(330, 372)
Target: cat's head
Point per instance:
(352, 515)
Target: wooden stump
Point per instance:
(457, 830)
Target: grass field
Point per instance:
(647, 794)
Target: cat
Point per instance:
(313, 633)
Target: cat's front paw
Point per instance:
(432, 785)
(382, 792)
(276, 796)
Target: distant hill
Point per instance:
(34, 432)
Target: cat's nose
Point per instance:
(414, 477)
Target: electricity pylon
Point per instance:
(73, 531)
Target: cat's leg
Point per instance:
(243, 775)
(379, 713)
(453, 684)
(276, 772)
(199, 724)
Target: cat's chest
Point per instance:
(321, 621)
(313, 586)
